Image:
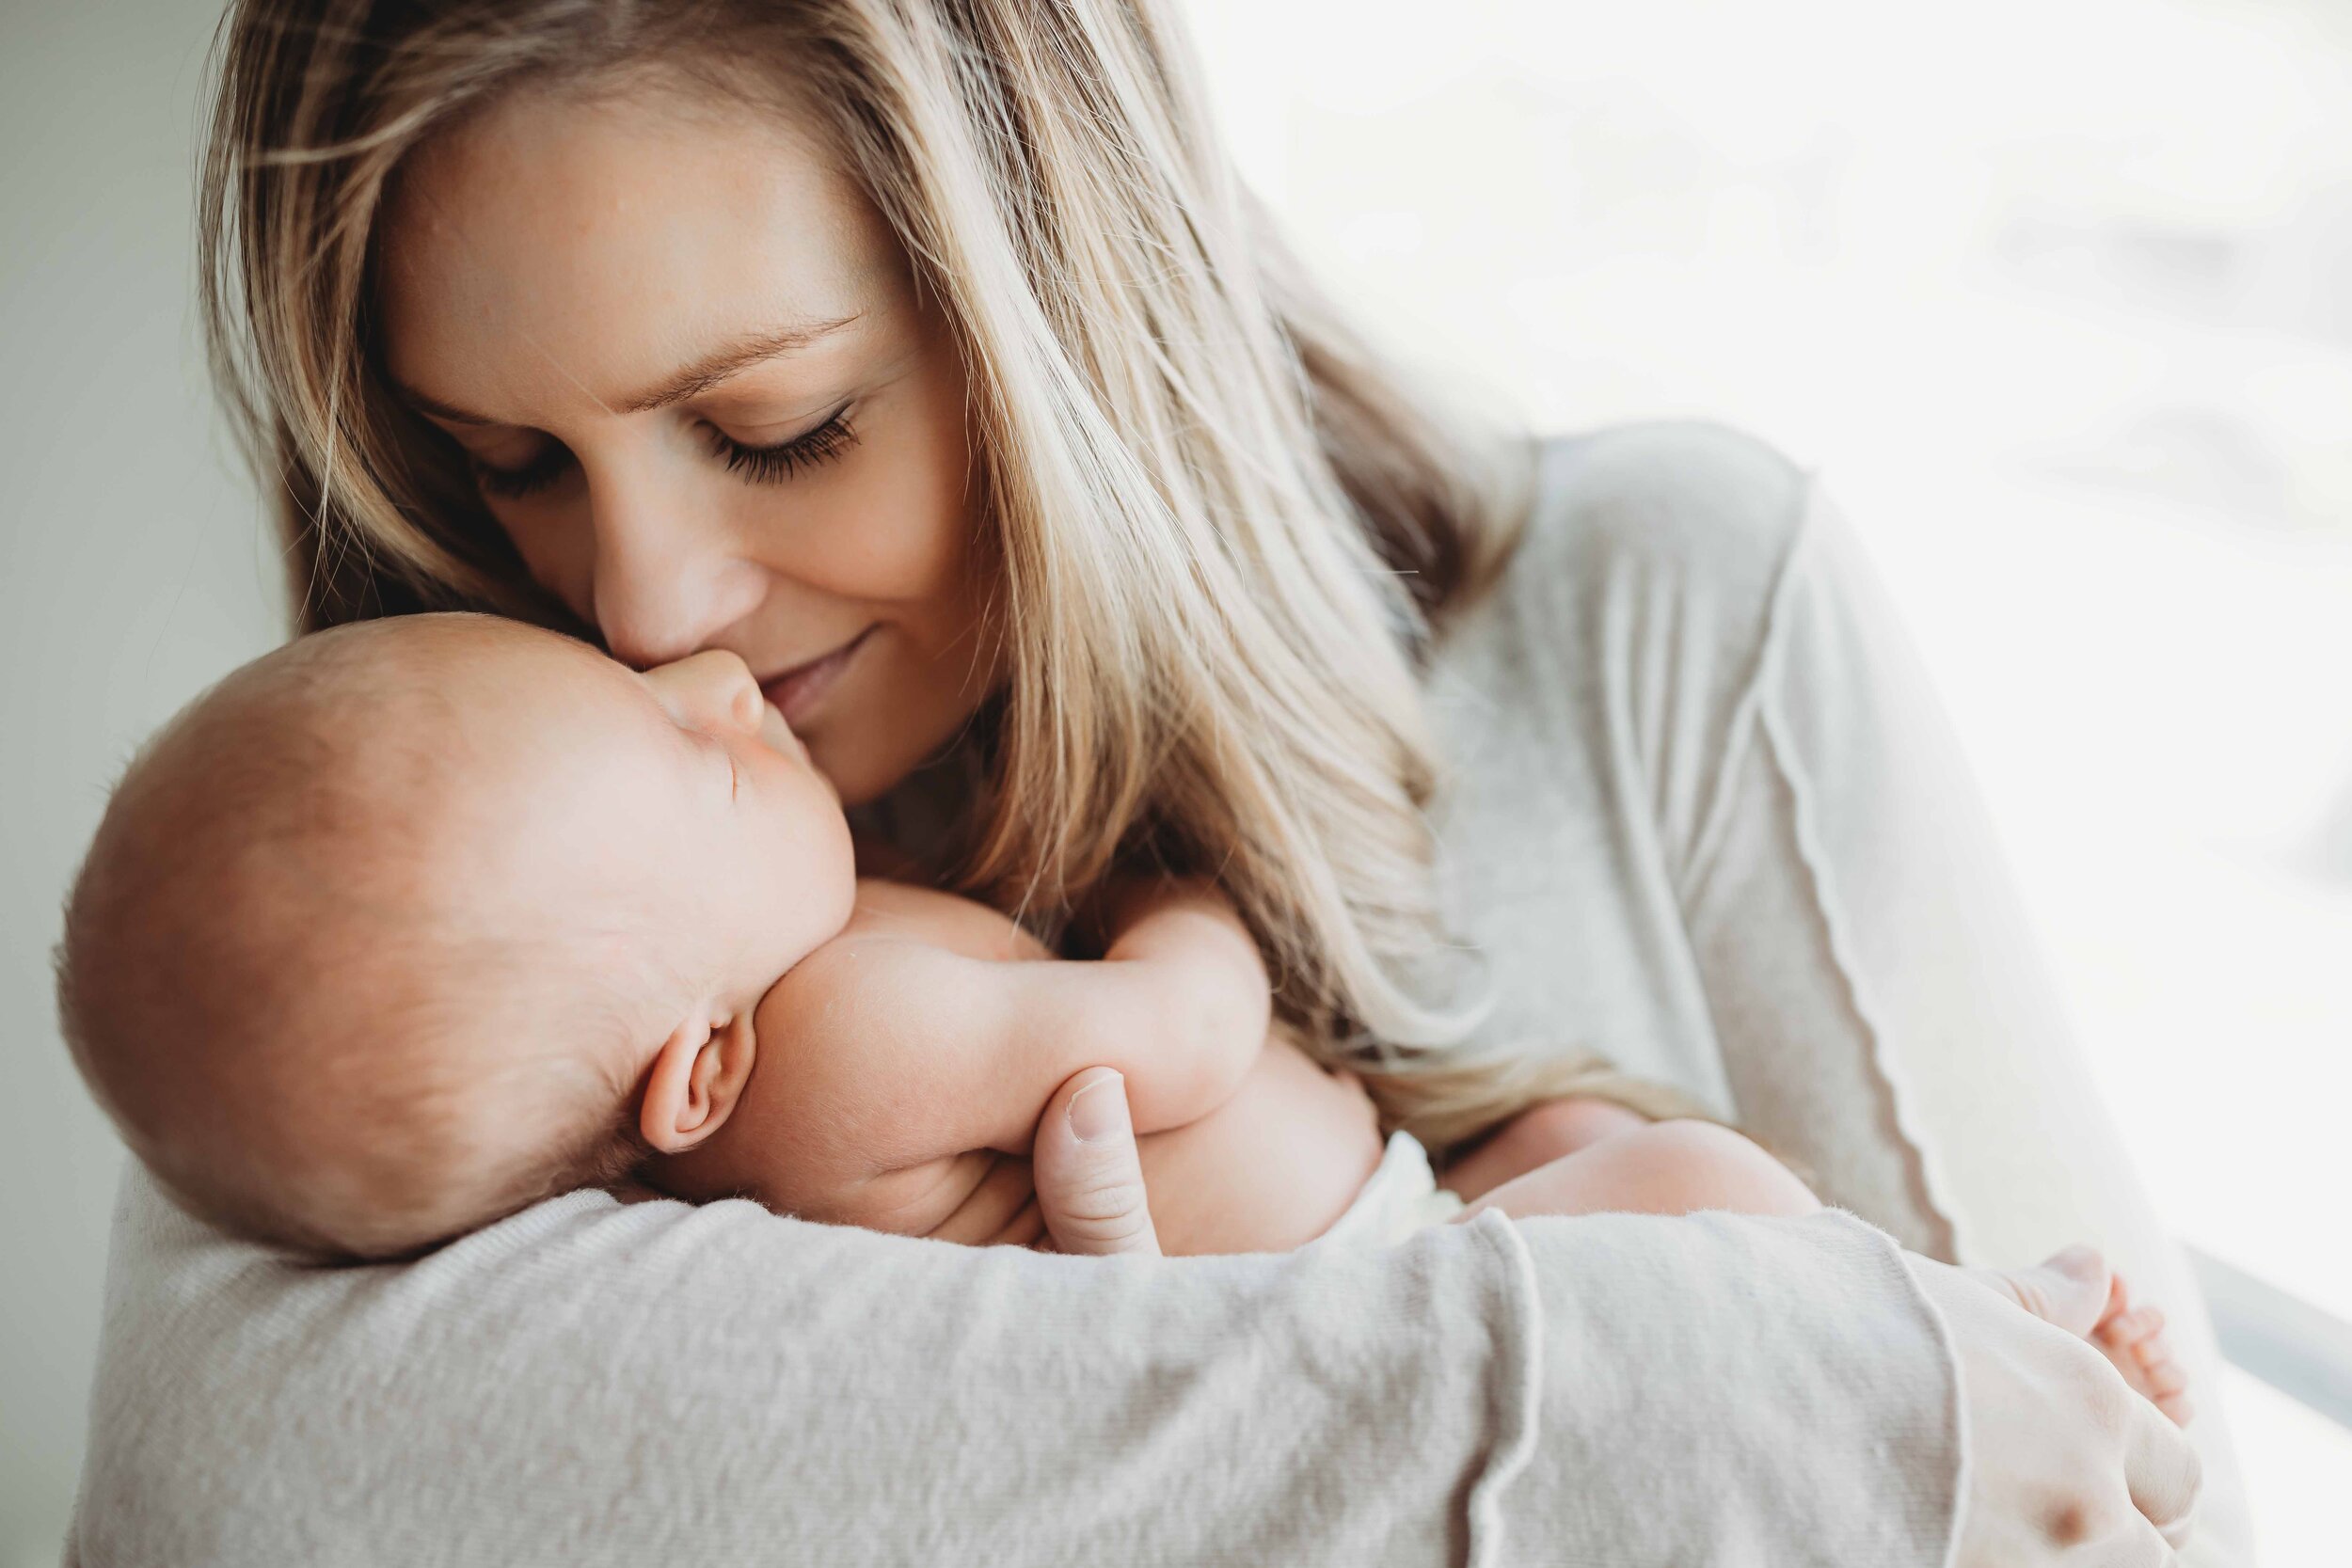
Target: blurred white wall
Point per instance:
(2057, 292)
(130, 575)
(2057, 295)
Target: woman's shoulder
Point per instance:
(1640, 602)
(1685, 501)
(1680, 525)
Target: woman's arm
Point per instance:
(1880, 1009)
(2061, 1464)
(598, 1382)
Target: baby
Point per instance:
(415, 922)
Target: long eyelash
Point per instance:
(761, 465)
(777, 464)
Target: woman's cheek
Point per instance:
(893, 531)
(931, 494)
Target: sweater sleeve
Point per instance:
(598, 1382)
(1882, 1006)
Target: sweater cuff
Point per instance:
(1719, 1389)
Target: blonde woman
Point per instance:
(926, 354)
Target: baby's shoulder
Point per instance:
(905, 946)
(888, 912)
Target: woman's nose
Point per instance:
(660, 587)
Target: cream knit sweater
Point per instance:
(1703, 818)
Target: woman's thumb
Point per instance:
(1089, 1183)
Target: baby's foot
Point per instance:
(2073, 1289)
(2134, 1339)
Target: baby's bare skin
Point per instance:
(889, 1055)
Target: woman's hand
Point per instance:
(1090, 1182)
(2065, 1462)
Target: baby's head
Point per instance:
(414, 922)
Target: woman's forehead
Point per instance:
(562, 248)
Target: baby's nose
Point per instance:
(712, 690)
(735, 692)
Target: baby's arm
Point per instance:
(951, 1052)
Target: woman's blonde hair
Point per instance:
(1225, 533)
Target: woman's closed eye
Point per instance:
(761, 465)
(535, 475)
(772, 465)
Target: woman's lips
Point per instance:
(798, 691)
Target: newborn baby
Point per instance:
(415, 922)
(412, 922)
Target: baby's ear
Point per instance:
(696, 1081)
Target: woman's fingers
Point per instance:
(2163, 1472)
(1090, 1182)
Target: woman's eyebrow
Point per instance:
(698, 377)
(733, 359)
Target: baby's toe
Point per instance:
(2164, 1380)
(2167, 1389)
(2134, 1328)
(2154, 1349)
(2135, 1343)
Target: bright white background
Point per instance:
(2057, 296)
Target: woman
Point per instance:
(927, 356)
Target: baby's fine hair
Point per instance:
(267, 985)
